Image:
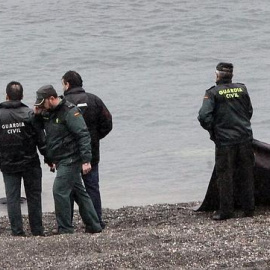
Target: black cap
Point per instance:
(44, 92)
(225, 67)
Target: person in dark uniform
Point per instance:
(226, 112)
(99, 122)
(19, 138)
(69, 149)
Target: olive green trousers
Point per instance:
(68, 181)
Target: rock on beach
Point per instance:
(162, 236)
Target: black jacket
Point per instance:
(96, 115)
(226, 112)
(19, 137)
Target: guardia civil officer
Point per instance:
(19, 138)
(99, 123)
(68, 147)
(226, 112)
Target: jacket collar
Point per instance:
(74, 90)
(12, 104)
(60, 104)
(224, 81)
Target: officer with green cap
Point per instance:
(69, 150)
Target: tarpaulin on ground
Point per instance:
(261, 181)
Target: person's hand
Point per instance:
(37, 110)
(52, 167)
(86, 168)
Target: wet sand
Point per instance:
(165, 236)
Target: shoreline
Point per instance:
(160, 236)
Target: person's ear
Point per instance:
(67, 84)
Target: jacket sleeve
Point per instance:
(37, 124)
(76, 125)
(105, 120)
(250, 108)
(206, 117)
(248, 103)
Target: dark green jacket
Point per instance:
(67, 136)
(226, 112)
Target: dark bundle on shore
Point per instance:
(151, 237)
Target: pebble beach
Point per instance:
(162, 236)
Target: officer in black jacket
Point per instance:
(99, 122)
(19, 138)
(226, 112)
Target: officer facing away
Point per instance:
(19, 138)
(225, 113)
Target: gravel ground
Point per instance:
(151, 237)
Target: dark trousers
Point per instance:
(91, 182)
(68, 180)
(32, 186)
(229, 161)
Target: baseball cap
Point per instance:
(44, 92)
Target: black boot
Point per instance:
(221, 216)
(248, 213)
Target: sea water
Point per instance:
(150, 62)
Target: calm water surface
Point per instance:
(150, 62)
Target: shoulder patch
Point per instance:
(77, 114)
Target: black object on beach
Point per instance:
(261, 181)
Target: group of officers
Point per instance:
(67, 131)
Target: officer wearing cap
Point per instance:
(68, 147)
(225, 113)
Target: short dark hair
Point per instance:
(14, 91)
(73, 78)
(225, 75)
(225, 67)
(225, 70)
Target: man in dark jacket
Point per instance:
(99, 122)
(226, 112)
(19, 138)
(68, 147)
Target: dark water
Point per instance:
(150, 62)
